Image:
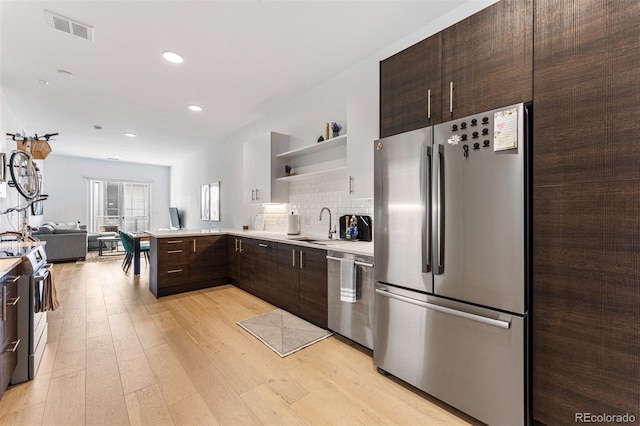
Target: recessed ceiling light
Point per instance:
(172, 57)
(195, 108)
(65, 73)
(44, 82)
(129, 134)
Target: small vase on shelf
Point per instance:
(335, 128)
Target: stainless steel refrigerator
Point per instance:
(452, 254)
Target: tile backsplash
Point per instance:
(307, 197)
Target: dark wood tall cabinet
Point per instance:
(586, 294)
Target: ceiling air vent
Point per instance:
(68, 25)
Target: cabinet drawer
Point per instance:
(173, 252)
(173, 276)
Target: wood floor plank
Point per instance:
(65, 403)
(27, 416)
(70, 356)
(24, 395)
(146, 407)
(270, 408)
(220, 397)
(135, 373)
(175, 385)
(105, 403)
(192, 411)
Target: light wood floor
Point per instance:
(116, 355)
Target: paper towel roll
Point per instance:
(293, 225)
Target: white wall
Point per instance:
(303, 119)
(66, 184)
(9, 123)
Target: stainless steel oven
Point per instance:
(34, 291)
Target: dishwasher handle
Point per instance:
(445, 310)
(357, 262)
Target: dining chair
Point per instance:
(127, 243)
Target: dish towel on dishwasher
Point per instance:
(347, 281)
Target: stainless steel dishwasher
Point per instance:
(352, 320)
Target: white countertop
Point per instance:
(355, 247)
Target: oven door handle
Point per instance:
(42, 277)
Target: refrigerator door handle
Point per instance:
(425, 198)
(439, 262)
(461, 314)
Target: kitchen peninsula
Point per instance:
(287, 271)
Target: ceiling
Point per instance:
(242, 60)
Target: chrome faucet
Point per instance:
(331, 232)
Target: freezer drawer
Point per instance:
(468, 357)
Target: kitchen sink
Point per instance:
(310, 240)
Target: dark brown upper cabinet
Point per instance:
(481, 63)
(410, 88)
(487, 60)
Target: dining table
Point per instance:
(137, 238)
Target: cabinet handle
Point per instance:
(301, 263)
(14, 301)
(451, 96)
(174, 271)
(357, 262)
(15, 344)
(174, 242)
(240, 246)
(194, 245)
(252, 196)
(173, 251)
(350, 184)
(12, 279)
(293, 257)
(429, 103)
(263, 245)
(257, 194)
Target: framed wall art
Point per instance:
(214, 198)
(204, 202)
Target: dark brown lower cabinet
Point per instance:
(9, 329)
(289, 277)
(241, 262)
(265, 270)
(302, 286)
(313, 286)
(184, 263)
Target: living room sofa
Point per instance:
(64, 242)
